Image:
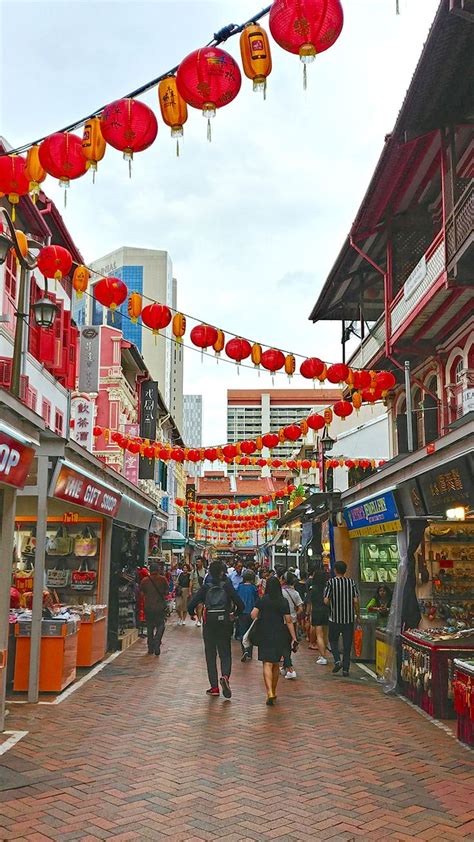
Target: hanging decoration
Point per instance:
(129, 126)
(306, 27)
(312, 368)
(342, 409)
(22, 241)
(13, 179)
(273, 360)
(238, 349)
(156, 317)
(34, 172)
(134, 307)
(80, 280)
(93, 144)
(290, 366)
(110, 292)
(54, 262)
(62, 157)
(218, 345)
(208, 79)
(173, 108)
(338, 373)
(203, 336)
(256, 354)
(179, 327)
(256, 56)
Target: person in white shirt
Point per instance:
(235, 574)
(295, 603)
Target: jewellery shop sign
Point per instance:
(74, 487)
(375, 516)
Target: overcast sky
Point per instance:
(254, 220)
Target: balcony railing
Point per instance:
(460, 224)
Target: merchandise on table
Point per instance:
(445, 568)
(464, 699)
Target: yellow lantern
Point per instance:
(22, 243)
(93, 144)
(327, 414)
(256, 354)
(290, 365)
(356, 400)
(173, 107)
(256, 56)
(34, 171)
(134, 306)
(179, 326)
(219, 343)
(323, 376)
(80, 280)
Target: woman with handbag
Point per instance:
(183, 584)
(319, 612)
(272, 630)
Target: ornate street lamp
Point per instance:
(325, 444)
(44, 311)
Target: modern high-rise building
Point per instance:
(253, 412)
(192, 420)
(149, 272)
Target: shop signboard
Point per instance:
(74, 487)
(130, 460)
(89, 352)
(148, 418)
(446, 486)
(82, 411)
(15, 460)
(375, 516)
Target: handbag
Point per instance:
(59, 544)
(358, 635)
(85, 544)
(57, 577)
(83, 579)
(251, 636)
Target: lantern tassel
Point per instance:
(93, 176)
(130, 168)
(305, 77)
(13, 213)
(265, 90)
(65, 197)
(209, 132)
(397, 7)
(177, 148)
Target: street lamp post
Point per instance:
(44, 310)
(325, 444)
(286, 544)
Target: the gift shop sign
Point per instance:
(374, 516)
(15, 460)
(74, 487)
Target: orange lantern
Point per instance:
(256, 354)
(256, 56)
(173, 107)
(218, 345)
(22, 241)
(290, 365)
(134, 306)
(356, 400)
(34, 172)
(327, 416)
(80, 280)
(322, 377)
(93, 144)
(179, 326)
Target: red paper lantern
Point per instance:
(210, 453)
(129, 125)
(385, 380)
(276, 463)
(364, 464)
(349, 463)
(369, 395)
(248, 447)
(238, 349)
(361, 379)
(342, 409)
(149, 452)
(208, 79)
(229, 451)
(255, 501)
(62, 156)
(306, 27)
(306, 464)
(273, 360)
(14, 181)
(97, 431)
(156, 317)
(261, 463)
(110, 292)
(270, 440)
(311, 368)
(291, 463)
(244, 460)
(203, 336)
(54, 262)
(133, 447)
(194, 455)
(338, 372)
(292, 432)
(177, 454)
(316, 422)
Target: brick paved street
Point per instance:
(140, 752)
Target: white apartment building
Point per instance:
(192, 420)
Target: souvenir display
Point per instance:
(446, 574)
(463, 688)
(378, 559)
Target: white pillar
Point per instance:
(38, 582)
(7, 535)
(106, 550)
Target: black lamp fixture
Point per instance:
(327, 443)
(45, 312)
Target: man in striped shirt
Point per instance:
(342, 596)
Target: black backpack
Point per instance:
(217, 604)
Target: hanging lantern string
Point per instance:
(219, 37)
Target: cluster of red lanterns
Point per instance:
(207, 79)
(231, 505)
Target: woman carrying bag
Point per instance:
(183, 583)
(273, 627)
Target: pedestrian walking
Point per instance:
(198, 573)
(182, 588)
(154, 589)
(319, 611)
(235, 574)
(342, 597)
(221, 602)
(274, 627)
(295, 603)
(249, 594)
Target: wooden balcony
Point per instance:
(460, 238)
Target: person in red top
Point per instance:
(155, 589)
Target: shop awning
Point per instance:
(314, 507)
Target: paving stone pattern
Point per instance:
(140, 752)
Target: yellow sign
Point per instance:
(376, 529)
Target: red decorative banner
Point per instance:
(15, 461)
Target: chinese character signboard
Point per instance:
(130, 460)
(82, 413)
(148, 418)
(74, 487)
(447, 486)
(89, 359)
(373, 517)
(15, 461)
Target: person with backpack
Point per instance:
(221, 604)
(155, 590)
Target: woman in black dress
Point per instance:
(319, 612)
(274, 626)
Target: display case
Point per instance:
(464, 699)
(379, 559)
(58, 655)
(446, 574)
(92, 642)
(72, 560)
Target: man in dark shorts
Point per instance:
(154, 589)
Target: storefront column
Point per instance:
(103, 596)
(38, 582)
(6, 554)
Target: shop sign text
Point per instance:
(15, 461)
(373, 517)
(76, 488)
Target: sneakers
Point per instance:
(246, 657)
(198, 624)
(282, 670)
(213, 691)
(322, 660)
(337, 667)
(290, 674)
(226, 691)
